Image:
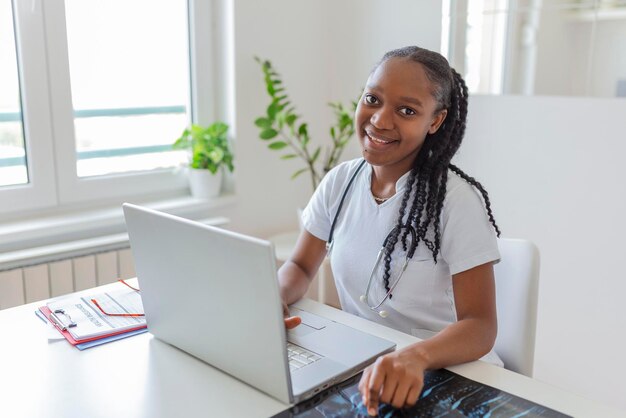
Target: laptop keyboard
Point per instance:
(300, 357)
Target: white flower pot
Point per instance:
(204, 184)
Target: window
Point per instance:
(105, 88)
(129, 87)
(474, 36)
(12, 153)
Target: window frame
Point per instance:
(37, 125)
(48, 114)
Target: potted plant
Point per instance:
(210, 153)
(282, 129)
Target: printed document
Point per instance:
(91, 321)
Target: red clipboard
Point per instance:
(46, 311)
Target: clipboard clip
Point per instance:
(59, 323)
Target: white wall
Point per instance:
(609, 59)
(324, 50)
(562, 52)
(576, 58)
(555, 173)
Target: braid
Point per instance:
(458, 108)
(482, 191)
(429, 174)
(396, 232)
(405, 200)
(461, 107)
(392, 242)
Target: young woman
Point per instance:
(433, 277)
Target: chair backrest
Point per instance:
(517, 285)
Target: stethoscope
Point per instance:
(386, 248)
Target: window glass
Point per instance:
(13, 169)
(129, 71)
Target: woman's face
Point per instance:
(396, 111)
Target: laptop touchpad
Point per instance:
(309, 319)
(300, 331)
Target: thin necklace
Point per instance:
(380, 199)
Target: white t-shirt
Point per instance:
(423, 302)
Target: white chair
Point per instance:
(517, 283)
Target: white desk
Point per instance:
(143, 377)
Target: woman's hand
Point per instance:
(290, 321)
(295, 275)
(396, 378)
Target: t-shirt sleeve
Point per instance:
(316, 217)
(468, 238)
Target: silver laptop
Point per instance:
(214, 294)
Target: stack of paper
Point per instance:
(80, 320)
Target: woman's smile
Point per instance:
(377, 141)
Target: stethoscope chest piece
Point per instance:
(383, 313)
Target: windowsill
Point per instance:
(46, 230)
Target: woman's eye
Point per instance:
(407, 111)
(369, 99)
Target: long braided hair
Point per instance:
(429, 174)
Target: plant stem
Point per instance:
(302, 153)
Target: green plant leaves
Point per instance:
(316, 154)
(216, 155)
(297, 173)
(281, 119)
(290, 119)
(263, 123)
(345, 121)
(209, 146)
(182, 143)
(272, 109)
(217, 129)
(277, 145)
(268, 134)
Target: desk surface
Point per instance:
(143, 377)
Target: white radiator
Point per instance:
(41, 273)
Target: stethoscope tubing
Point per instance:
(411, 251)
(329, 241)
(393, 286)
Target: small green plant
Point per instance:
(284, 130)
(209, 146)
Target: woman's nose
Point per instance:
(382, 119)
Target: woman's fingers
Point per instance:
(400, 395)
(413, 395)
(389, 388)
(292, 322)
(376, 381)
(391, 380)
(364, 383)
